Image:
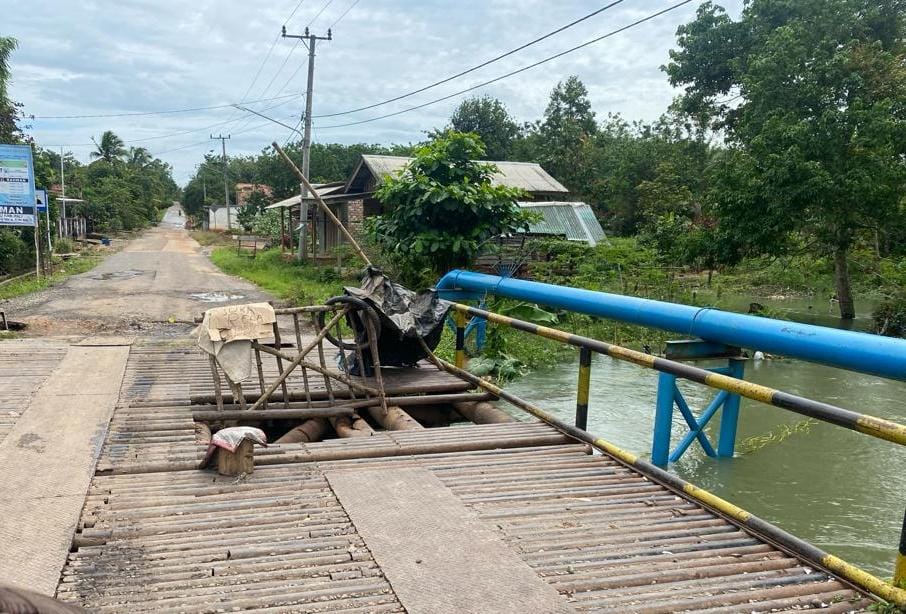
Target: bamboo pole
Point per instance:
(322, 205)
(294, 361)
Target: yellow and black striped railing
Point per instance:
(870, 425)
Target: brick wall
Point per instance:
(355, 211)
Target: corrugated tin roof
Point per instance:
(574, 220)
(323, 189)
(527, 176)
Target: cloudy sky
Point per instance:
(106, 57)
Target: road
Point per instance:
(152, 287)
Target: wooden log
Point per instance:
(202, 433)
(312, 429)
(445, 393)
(482, 412)
(240, 462)
(351, 426)
(393, 418)
(261, 415)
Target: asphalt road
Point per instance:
(154, 286)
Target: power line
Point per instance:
(205, 129)
(286, 23)
(167, 112)
(340, 18)
(170, 134)
(291, 51)
(515, 72)
(263, 63)
(313, 19)
(474, 68)
(206, 142)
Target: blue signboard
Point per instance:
(17, 186)
(41, 200)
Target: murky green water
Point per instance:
(841, 490)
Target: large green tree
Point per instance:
(443, 207)
(9, 132)
(810, 96)
(109, 149)
(565, 137)
(488, 118)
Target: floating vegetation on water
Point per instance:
(777, 435)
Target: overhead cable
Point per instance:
(476, 67)
(167, 112)
(510, 74)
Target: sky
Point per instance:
(105, 57)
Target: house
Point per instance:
(353, 200)
(244, 190)
(372, 169)
(216, 218)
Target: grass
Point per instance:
(63, 270)
(211, 237)
(298, 283)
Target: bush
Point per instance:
(890, 316)
(267, 224)
(15, 254)
(64, 246)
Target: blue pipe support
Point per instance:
(873, 354)
(663, 419)
(729, 417)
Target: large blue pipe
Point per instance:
(874, 354)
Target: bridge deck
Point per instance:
(162, 536)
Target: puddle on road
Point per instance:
(127, 274)
(215, 297)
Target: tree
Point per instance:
(443, 207)
(138, 157)
(110, 148)
(489, 119)
(247, 215)
(811, 98)
(9, 111)
(565, 136)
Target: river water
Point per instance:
(839, 489)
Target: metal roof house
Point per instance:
(575, 221)
(527, 176)
(355, 201)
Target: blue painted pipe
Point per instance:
(874, 354)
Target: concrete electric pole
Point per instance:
(309, 39)
(226, 189)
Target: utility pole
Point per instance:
(62, 196)
(311, 39)
(226, 190)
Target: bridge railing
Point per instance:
(727, 381)
(875, 427)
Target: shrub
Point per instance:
(890, 316)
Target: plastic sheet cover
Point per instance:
(405, 317)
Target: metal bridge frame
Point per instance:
(854, 351)
(890, 592)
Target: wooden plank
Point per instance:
(437, 557)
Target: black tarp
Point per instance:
(405, 317)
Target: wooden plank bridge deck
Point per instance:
(157, 534)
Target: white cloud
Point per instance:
(107, 56)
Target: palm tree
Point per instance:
(109, 149)
(8, 111)
(138, 157)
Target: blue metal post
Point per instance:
(663, 419)
(729, 417)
